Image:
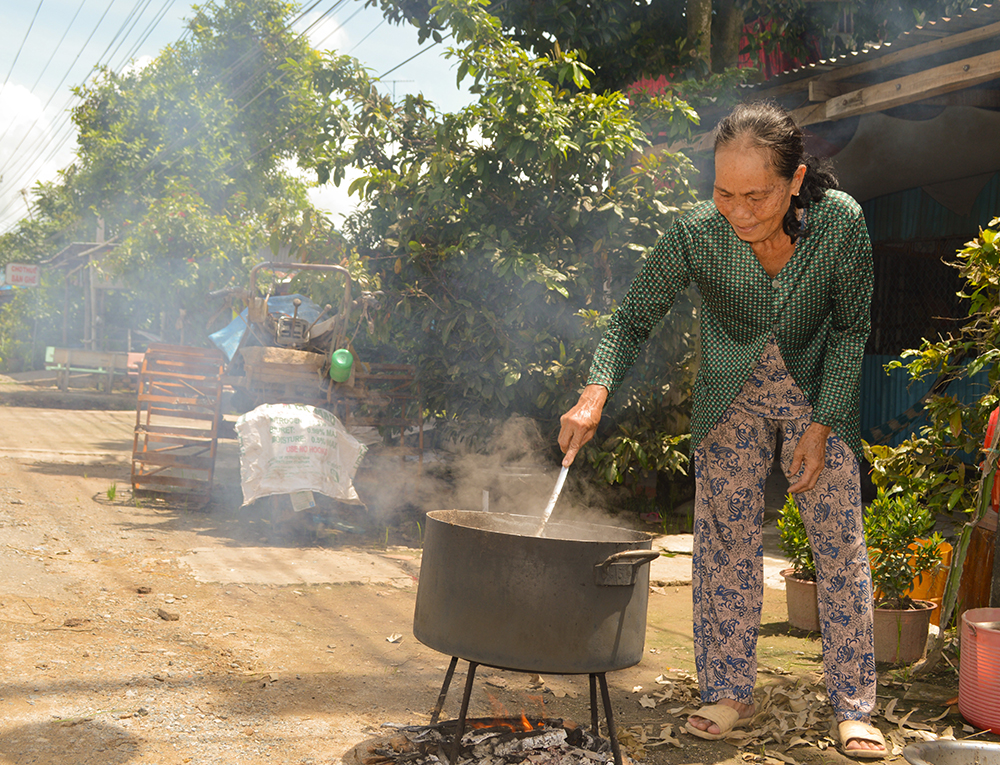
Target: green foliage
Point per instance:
(794, 542)
(938, 465)
(624, 40)
(32, 320)
(894, 521)
(183, 158)
(501, 234)
(620, 39)
(186, 162)
(932, 466)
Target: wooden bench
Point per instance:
(103, 365)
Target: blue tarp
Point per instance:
(228, 338)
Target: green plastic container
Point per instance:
(341, 362)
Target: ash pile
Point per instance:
(490, 742)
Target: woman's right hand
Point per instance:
(580, 423)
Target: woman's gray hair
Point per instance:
(766, 125)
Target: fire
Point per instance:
(516, 724)
(519, 723)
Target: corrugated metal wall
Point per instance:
(885, 396)
(894, 220)
(913, 214)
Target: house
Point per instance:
(913, 131)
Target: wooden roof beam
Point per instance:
(874, 63)
(904, 90)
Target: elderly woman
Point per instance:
(783, 263)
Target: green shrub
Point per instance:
(893, 523)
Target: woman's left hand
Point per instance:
(809, 457)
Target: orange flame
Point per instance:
(516, 724)
(503, 719)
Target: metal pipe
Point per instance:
(595, 723)
(616, 749)
(460, 727)
(436, 714)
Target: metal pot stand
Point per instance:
(595, 679)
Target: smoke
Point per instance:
(513, 473)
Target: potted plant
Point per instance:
(800, 579)
(895, 524)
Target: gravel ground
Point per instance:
(115, 651)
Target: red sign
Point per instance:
(22, 275)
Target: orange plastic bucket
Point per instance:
(979, 669)
(930, 585)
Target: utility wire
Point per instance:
(30, 163)
(61, 81)
(21, 47)
(420, 52)
(226, 75)
(167, 5)
(124, 37)
(355, 46)
(46, 67)
(32, 158)
(33, 150)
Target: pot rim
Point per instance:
(789, 573)
(608, 534)
(928, 605)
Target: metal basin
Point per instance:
(952, 753)
(570, 602)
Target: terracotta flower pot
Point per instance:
(800, 598)
(901, 636)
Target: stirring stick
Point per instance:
(552, 500)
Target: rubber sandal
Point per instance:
(724, 716)
(860, 731)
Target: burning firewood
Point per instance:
(493, 741)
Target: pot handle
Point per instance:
(619, 569)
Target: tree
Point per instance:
(938, 466)
(623, 40)
(185, 159)
(502, 234)
(33, 318)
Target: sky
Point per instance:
(49, 46)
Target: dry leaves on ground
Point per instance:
(792, 712)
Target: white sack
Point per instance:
(285, 448)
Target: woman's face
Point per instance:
(750, 195)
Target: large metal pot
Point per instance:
(570, 602)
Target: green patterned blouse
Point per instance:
(818, 308)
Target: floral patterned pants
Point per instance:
(731, 466)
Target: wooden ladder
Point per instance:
(177, 422)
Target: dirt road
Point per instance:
(140, 632)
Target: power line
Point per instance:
(167, 5)
(355, 46)
(61, 81)
(32, 158)
(24, 168)
(225, 77)
(45, 68)
(138, 15)
(420, 52)
(21, 47)
(28, 160)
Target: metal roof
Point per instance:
(973, 18)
